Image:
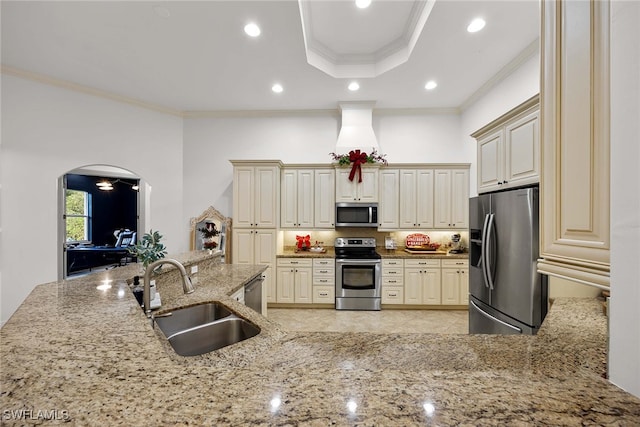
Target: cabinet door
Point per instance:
(243, 198)
(459, 198)
(389, 200)
(464, 286)
(266, 196)
(522, 151)
(305, 198)
(408, 199)
(269, 286)
(450, 286)
(242, 248)
(431, 292)
(412, 286)
(490, 161)
(303, 286)
(324, 198)
(285, 288)
(289, 199)
(345, 189)
(424, 198)
(367, 190)
(442, 198)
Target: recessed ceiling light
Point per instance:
(162, 11)
(363, 4)
(476, 25)
(252, 29)
(431, 85)
(353, 86)
(277, 88)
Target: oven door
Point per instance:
(358, 278)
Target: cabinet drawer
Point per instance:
(455, 263)
(324, 262)
(392, 295)
(324, 295)
(323, 271)
(394, 262)
(392, 281)
(299, 262)
(324, 280)
(389, 271)
(422, 262)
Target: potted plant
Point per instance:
(149, 248)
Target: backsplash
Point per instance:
(327, 237)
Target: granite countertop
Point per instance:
(72, 352)
(384, 253)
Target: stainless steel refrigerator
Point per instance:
(507, 295)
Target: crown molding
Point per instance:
(87, 90)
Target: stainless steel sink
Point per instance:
(189, 317)
(204, 328)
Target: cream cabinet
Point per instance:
(451, 198)
(355, 191)
(256, 247)
(417, 198)
(297, 198)
(389, 204)
(509, 149)
(324, 198)
(324, 276)
(575, 109)
(422, 281)
(393, 281)
(455, 282)
(256, 194)
(294, 281)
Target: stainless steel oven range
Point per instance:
(358, 274)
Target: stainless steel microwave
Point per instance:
(357, 215)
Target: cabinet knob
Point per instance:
(505, 181)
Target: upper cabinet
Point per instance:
(574, 203)
(451, 198)
(325, 190)
(355, 191)
(256, 195)
(297, 200)
(509, 149)
(416, 198)
(388, 207)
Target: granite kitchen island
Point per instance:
(79, 352)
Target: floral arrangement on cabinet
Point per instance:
(209, 232)
(356, 159)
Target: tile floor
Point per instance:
(384, 321)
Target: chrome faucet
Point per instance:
(187, 286)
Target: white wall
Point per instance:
(47, 131)
(519, 86)
(209, 144)
(624, 326)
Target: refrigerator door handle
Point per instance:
(495, 319)
(483, 251)
(487, 257)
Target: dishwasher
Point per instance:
(253, 294)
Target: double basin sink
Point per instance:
(203, 328)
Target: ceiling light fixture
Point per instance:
(162, 11)
(363, 4)
(277, 88)
(476, 25)
(106, 185)
(353, 86)
(431, 85)
(252, 29)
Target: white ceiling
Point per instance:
(199, 58)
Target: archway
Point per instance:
(93, 202)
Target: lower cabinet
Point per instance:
(455, 282)
(422, 281)
(392, 281)
(294, 280)
(324, 279)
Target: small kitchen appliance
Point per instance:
(358, 274)
(456, 244)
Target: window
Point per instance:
(78, 215)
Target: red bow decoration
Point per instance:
(358, 159)
(304, 241)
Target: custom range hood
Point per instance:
(356, 131)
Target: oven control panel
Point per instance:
(355, 242)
